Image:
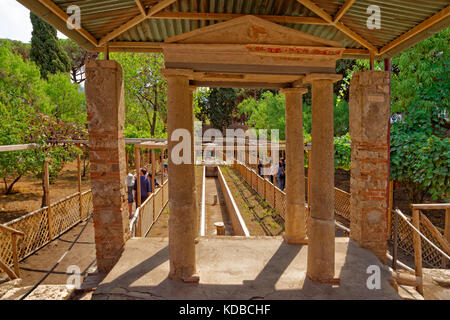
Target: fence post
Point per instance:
(15, 254)
(80, 200)
(395, 248)
(417, 249)
(446, 234)
(47, 200)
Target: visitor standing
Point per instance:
(146, 188)
(130, 184)
(281, 174)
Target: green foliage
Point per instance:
(421, 75)
(342, 152)
(218, 107)
(420, 154)
(266, 113)
(145, 94)
(46, 51)
(66, 100)
(201, 98)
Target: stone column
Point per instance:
(106, 114)
(197, 192)
(321, 229)
(295, 172)
(369, 125)
(182, 219)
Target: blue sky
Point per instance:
(15, 21)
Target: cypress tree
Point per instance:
(46, 51)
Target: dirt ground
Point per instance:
(27, 193)
(260, 218)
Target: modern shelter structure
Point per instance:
(289, 45)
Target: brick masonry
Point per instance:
(106, 114)
(369, 125)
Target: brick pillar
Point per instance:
(321, 228)
(369, 123)
(182, 202)
(295, 171)
(106, 114)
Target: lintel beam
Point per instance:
(343, 10)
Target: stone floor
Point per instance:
(241, 268)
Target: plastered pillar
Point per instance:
(182, 201)
(106, 114)
(197, 195)
(321, 229)
(369, 125)
(295, 219)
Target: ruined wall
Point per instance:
(369, 125)
(106, 116)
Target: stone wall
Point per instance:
(369, 125)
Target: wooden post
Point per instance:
(372, 60)
(395, 247)
(47, 200)
(446, 234)
(80, 200)
(309, 178)
(137, 160)
(126, 160)
(417, 249)
(15, 255)
(153, 181)
(390, 205)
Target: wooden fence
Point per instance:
(148, 213)
(43, 225)
(276, 198)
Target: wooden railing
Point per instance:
(12, 274)
(38, 228)
(149, 211)
(423, 233)
(276, 198)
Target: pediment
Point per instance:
(251, 30)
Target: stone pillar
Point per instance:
(369, 125)
(321, 229)
(106, 116)
(295, 172)
(182, 218)
(197, 192)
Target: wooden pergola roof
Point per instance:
(143, 25)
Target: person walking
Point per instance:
(281, 174)
(130, 184)
(146, 187)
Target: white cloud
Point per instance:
(15, 22)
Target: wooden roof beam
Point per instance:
(343, 10)
(441, 15)
(339, 25)
(50, 5)
(161, 5)
(229, 16)
(141, 7)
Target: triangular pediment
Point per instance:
(250, 30)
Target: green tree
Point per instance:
(46, 51)
(145, 94)
(218, 107)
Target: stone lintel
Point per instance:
(322, 76)
(293, 90)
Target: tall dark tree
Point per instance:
(219, 106)
(46, 51)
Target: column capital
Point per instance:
(299, 91)
(322, 76)
(192, 88)
(177, 73)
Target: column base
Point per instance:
(294, 240)
(192, 279)
(325, 280)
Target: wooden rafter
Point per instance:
(161, 5)
(441, 15)
(50, 5)
(339, 25)
(141, 7)
(229, 16)
(343, 10)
